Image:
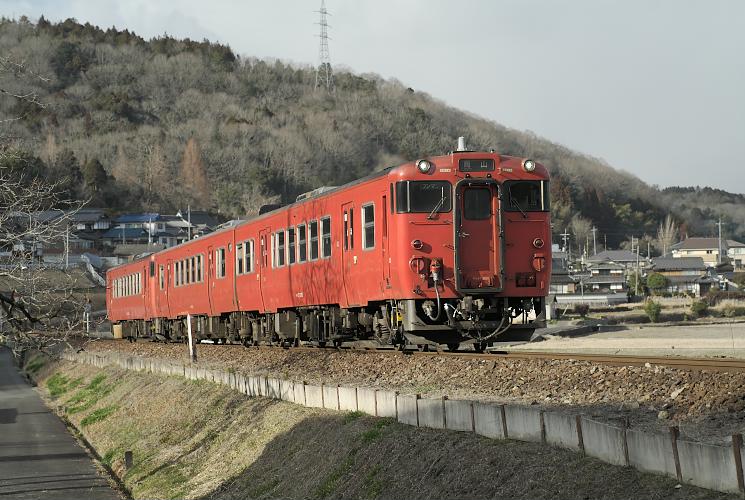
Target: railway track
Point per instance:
(683, 363)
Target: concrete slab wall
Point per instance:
(708, 466)
(386, 404)
(313, 396)
(651, 452)
(603, 441)
(330, 397)
(366, 402)
(286, 391)
(298, 396)
(561, 430)
(524, 423)
(431, 413)
(459, 415)
(347, 398)
(273, 388)
(407, 409)
(487, 418)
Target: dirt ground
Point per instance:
(200, 440)
(707, 406)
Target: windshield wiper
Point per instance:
(514, 203)
(437, 207)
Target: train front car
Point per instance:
(473, 248)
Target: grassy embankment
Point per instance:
(194, 439)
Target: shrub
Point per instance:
(656, 282)
(653, 310)
(582, 309)
(699, 308)
(731, 309)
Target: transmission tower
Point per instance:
(324, 76)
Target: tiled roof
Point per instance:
(132, 218)
(676, 264)
(735, 244)
(615, 256)
(127, 233)
(700, 244)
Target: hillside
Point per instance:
(154, 125)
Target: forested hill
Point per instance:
(154, 125)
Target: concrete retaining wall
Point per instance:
(604, 441)
(561, 430)
(385, 402)
(488, 420)
(523, 423)
(407, 409)
(459, 415)
(704, 465)
(431, 413)
(314, 396)
(366, 401)
(347, 398)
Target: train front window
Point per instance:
(477, 203)
(424, 197)
(526, 196)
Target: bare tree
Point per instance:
(582, 229)
(667, 235)
(40, 307)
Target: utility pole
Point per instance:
(594, 241)
(324, 76)
(565, 237)
(719, 255)
(636, 281)
(188, 216)
(67, 246)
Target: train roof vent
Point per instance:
(315, 192)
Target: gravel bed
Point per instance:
(707, 406)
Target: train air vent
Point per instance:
(315, 192)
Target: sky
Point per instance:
(653, 87)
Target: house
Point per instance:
(705, 248)
(122, 235)
(684, 274)
(736, 254)
(607, 277)
(624, 258)
(90, 219)
(562, 283)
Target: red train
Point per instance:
(445, 250)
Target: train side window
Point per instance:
(175, 274)
(291, 245)
(220, 263)
(346, 230)
(200, 267)
(313, 239)
(391, 198)
(152, 269)
(189, 271)
(302, 243)
(249, 256)
(139, 283)
(161, 276)
(368, 226)
(477, 203)
(326, 237)
(280, 249)
(351, 228)
(240, 257)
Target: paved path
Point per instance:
(718, 340)
(38, 456)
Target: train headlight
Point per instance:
(528, 165)
(424, 166)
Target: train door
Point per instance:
(210, 278)
(264, 238)
(348, 259)
(152, 289)
(477, 237)
(384, 247)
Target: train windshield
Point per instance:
(424, 197)
(526, 196)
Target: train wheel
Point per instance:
(453, 347)
(479, 346)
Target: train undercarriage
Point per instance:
(470, 321)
